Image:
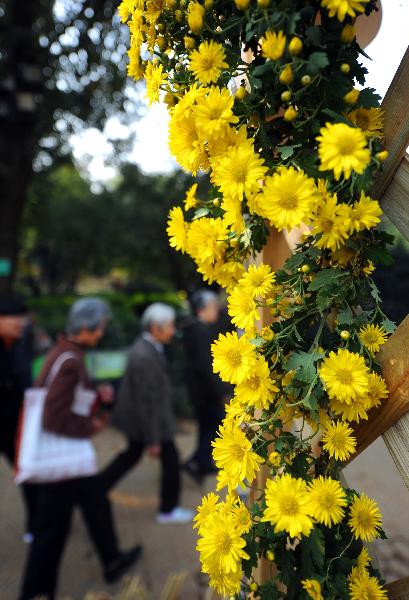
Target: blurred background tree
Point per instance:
(62, 68)
(70, 233)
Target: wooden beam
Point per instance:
(398, 590)
(395, 200)
(396, 129)
(394, 361)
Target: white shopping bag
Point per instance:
(47, 457)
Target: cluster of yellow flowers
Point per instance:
(247, 86)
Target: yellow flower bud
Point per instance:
(305, 80)
(161, 27)
(345, 335)
(348, 34)
(274, 459)
(171, 3)
(382, 155)
(195, 14)
(216, 202)
(263, 3)
(178, 15)
(253, 587)
(208, 4)
(242, 4)
(295, 46)
(270, 555)
(305, 268)
(352, 97)
(189, 42)
(170, 99)
(241, 93)
(290, 114)
(160, 42)
(286, 96)
(345, 68)
(286, 76)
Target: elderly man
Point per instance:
(144, 412)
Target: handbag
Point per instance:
(43, 456)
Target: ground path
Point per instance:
(170, 548)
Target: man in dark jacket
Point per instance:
(206, 390)
(15, 377)
(144, 412)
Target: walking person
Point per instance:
(56, 501)
(15, 377)
(206, 390)
(144, 412)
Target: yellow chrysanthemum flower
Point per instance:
(127, 8)
(313, 588)
(365, 213)
(239, 171)
(365, 518)
(327, 500)
(232, 452)
(288, 505)
(258, 280)
(226, 584)
(134, 68)
(342, 8)
(207, 62)
(355, 411)
(195, 14)
(242, 308)
(342, 149)
(177, 229)
(259, 387)
(214, 112)
(345, 375)
(363, 559)
(207, 239)
(184, 108)
(368, 269)
(289, 197)
(332, 221)
(363, 586)
(241, 517)
(221, 544)
(273, 45)
(186, 145)
(155, 78)
(233, 215)
(373, 337)
(227, 274)
(217, 147)
(377, 390)
(338, 440)
(208, 507)
(190, 199)
(369, 121)
(233, 357)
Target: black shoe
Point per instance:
(195, 474)
(118, 567)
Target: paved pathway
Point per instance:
(170, 548)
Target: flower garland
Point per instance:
(261, 96)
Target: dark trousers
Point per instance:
(170, 471)
(208, 421)
(8, 429)
(55, 504)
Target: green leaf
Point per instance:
(260, 69)
(345, 317)
(304, 365)
(388, 325)
(324, 278)
(287, 151)
(313, 35)
(201, 212)
(314, 545)
(374, 291)
(368, 98)
(338, 118)
(316, 62)
(258, 341)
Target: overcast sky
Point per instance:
(150, 151)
